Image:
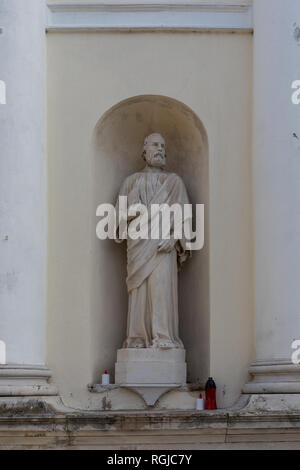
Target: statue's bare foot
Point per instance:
(163, 344)
(135, 343)
(166, 345)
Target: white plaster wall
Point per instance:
(87, 75)
(276, 179)
(22, 182)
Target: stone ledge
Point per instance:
(46, 424)
(188, 387)
(150, 393)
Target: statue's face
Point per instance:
(155, 152)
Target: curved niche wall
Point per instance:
(117, 147)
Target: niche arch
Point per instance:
(117, 143)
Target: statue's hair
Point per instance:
(151, 135)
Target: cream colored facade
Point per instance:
(88, 74)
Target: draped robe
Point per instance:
(152, 319)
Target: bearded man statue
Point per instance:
(152, 263)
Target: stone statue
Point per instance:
(152, 264)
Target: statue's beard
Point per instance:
(157, 160)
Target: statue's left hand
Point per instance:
(166, 245)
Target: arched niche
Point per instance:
(117, 147)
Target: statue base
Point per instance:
(150, 372)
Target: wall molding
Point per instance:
(149, 16)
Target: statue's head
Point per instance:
(155, 151)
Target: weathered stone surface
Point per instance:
(17, 408)
(61, 428)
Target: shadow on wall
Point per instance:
(117, 147)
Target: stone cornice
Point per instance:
(34, 422)
(149, 16)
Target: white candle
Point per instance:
(200, 403)
(105, 378)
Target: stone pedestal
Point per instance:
(151, 366)
(150, 372)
